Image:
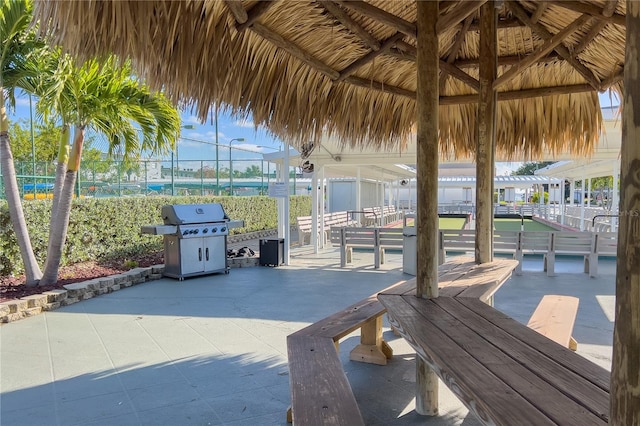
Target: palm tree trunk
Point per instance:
(63, 158)
(12, 194)
(58, 232)
(60, 224)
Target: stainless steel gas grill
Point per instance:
(195, 239)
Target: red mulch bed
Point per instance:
(15, 288)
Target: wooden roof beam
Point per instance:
(237, 10)
(542, 51)
(453, 52)
(469, 99)
(562, 50)
(385, 47)
(608, 11)
(399, 24)
(253, 14)
(592, 10)
(505, 60)
(295, 51)
(348, 22)
(458, 14)
(538, 12)
(456, 72)
(519, 94)
(502, 24)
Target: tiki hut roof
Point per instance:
(303, 68)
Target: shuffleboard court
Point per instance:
(443, 223)
(501, 224)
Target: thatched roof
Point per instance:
(306, 67)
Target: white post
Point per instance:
(615, 199)
(398, 194)
(563, 203)
(314, 211)
(287, 224)
(572, 192)
(358, 195)
(321, 195)
(584, 187)
(381, 192)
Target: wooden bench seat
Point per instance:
(502, 371)
(554, 318)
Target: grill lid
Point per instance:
(179, 214)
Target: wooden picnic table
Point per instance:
(503, 371)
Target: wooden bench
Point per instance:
(320, 391)
(305, 225)
(605, 244)
(570, 244)
(376, 239)
(554, 318)
(502, 371)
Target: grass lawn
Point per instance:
(514, 225)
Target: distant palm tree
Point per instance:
(105, 97)
(18, 45)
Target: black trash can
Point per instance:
(272, 252)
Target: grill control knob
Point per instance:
(223, 229)
(214, 229)
(185, 232)
(205, 230)
(196, 231)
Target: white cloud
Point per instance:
(192, 119)
(244, 123)
(23, 102)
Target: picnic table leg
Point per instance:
(427, 394)
(372, 349)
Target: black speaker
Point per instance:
(272, 252)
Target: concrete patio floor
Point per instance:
(212, 350)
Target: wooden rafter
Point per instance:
(237, 10)
(453, 52)
(597, 27)
(458, 14)
(456, 72)
(253, 14)
(519, 94)
(592, 10)
(611, 80)
(542, 51)
(295, 51)
(449, 69)
(502, 24)
(386, 45)
(343, 17)
(539, 11)
(382, 16)
(505, 60)
(376, 85)
(562, 50)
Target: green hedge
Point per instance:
(110, 227)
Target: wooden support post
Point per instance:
(372, 349)
(625, 386)
(485, 150)
(427, 177)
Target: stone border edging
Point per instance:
(13, 310)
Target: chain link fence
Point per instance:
(246, 176)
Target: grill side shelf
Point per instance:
(159, 229)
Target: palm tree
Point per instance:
(104, 97)
(18, 45)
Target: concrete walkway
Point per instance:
(212, 350)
